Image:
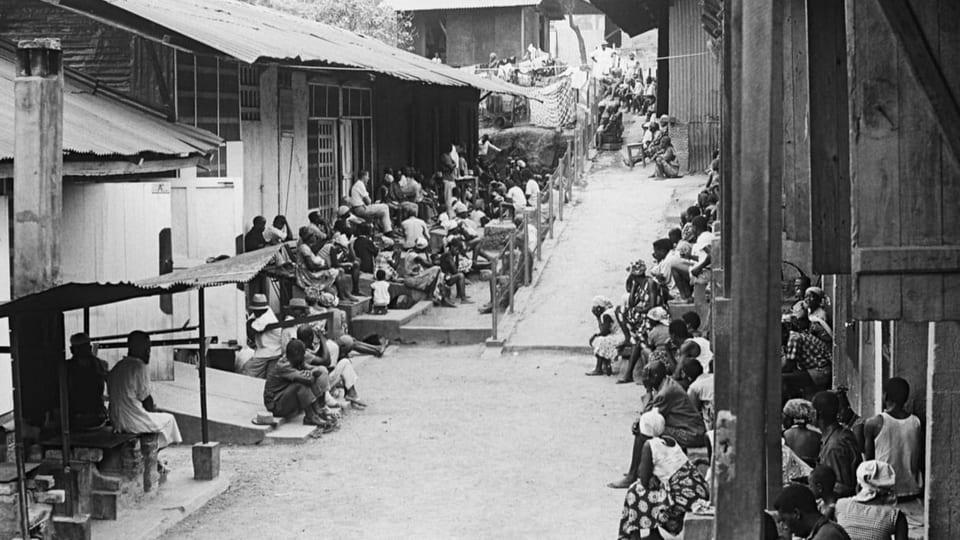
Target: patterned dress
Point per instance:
(671, 492)
(608, 346)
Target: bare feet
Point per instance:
(623, 483)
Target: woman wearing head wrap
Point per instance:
(644, 294)
(667, 487)
(606, 343)
(872, 513)
(418, 272)
(313, 272)
(805, 442)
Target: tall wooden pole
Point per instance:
(37, 207)
(749, 400)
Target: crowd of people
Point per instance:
(844, 477)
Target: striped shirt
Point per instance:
(808, 351)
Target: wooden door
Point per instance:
(904, 81)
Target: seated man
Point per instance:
(414, 228)
(672, 269)
(132, 409)
(684, 423)
(87, 377)
(807, 361)
(326, 353)
(450, 264)
(292, 388)
(361, 205)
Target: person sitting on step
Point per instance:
(293, 387)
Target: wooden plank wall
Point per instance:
(905, 182)
(796, 139)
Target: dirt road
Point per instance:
(458, 445)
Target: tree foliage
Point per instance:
(372, 18)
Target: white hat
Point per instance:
(652, 423)
(875, 478)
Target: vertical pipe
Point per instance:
(526, 248)
(202, 357)
(18, 429)
(494, 300)
(552, 200)
(64, 399)
(86, 321)
(513, 266)
(539, 219)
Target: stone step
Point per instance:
(289, 431)
(413, 333)
(389, 324)
(355, 309)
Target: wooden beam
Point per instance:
(942, 481)
(101, 168)
(744, 429)
(829, 157)
(924, 66)
(906, 260)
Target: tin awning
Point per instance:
(71, 296)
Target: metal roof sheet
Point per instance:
(71, 296)
(97, 124)
(429, 5)
(254, 33)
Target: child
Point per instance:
(381, 293)
(821, 481)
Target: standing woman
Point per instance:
(606, 343)
(666, 162)
(667, 485)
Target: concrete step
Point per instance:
(233, 400)
(388, 325)
(289, 431)
(355, 309)
(414, 333)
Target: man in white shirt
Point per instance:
(670, 268)
(517, 197)
(532, 192)
(268, 341)
(132, 409)
(362, 206)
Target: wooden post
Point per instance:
(37, 207)
(746, 432)
(37, 166)
(942, 482)
(829, 173)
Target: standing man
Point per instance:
(132, 409)
(839, 449)
(268, 342)
(87, 378)
(896, 437)
(362, 206)
(449, 165)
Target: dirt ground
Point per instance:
(458, 444)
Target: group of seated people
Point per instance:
(852, 478)
(131, 406)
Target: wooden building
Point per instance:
(841, 138)
(116, 204)
(302, 107)
(465, 32)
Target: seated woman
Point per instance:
(418, 272)
(667, 485)
(607, 341)
(872, 512)
(313, 272)
(338, 254)
(666, 162)
(804, 442)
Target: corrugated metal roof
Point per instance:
(254, 33)
(96, 124)
(429, 5)
(71, 296)
(239, 269)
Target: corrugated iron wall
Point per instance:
(694, 85)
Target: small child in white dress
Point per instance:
(381, 293)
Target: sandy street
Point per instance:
(455, 445)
